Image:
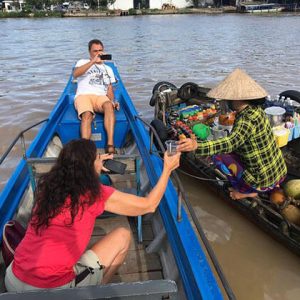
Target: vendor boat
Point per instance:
(166, 260)
(177, 113)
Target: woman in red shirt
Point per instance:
(68, 200)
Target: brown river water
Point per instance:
(36, 58)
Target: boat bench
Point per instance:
(69, 126)
(38, 166)
(141, 290)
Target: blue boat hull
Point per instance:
(196, 275)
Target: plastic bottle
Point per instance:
(289, 106)
(269, 101)
(277, 100)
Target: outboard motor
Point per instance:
(163, 94)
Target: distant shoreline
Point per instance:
(118, 13)
(136, 12)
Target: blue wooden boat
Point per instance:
(184, 267)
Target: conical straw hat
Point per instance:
(238, 85)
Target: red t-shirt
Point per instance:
(46, 260)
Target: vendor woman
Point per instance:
(249, 155)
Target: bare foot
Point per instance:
(236, 195)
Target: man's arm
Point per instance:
(110, 93)
(82, 69)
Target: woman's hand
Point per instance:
(171, 162)
(187, 145)
(132, 205)
(104, 157)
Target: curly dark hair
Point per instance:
(73, 175)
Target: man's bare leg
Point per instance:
(109, 121)
(86, 125)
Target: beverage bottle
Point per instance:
(268, 101)
(277, 100)
(282, 101)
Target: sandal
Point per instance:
(110, 149)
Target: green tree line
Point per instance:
(41, 4)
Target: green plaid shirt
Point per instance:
(252, 139)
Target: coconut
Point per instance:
(292, 188)
(292, 214)
(277, 196)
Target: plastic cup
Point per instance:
(171, 147)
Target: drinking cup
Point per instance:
(218, 132)
(171, 147)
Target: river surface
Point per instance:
(36, 58)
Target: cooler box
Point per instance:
(281, 136)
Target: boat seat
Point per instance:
(69, 126)
(42, 165)
(151, 289)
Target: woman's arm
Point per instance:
(132, 205)
(240, 133)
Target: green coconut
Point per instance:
(292, 213)
(292, 188)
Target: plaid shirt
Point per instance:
(252, 139)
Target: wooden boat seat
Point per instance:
(69, 126)
(40, 165)
(151, 289)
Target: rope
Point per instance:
(190, 175)
(202, 178)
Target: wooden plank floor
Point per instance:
(138, 264)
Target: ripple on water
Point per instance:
(37, 56)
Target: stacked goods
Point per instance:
(196, 113)
(184, 119)
(291, 212)
(183, 130)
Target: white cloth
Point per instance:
(95, 80)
